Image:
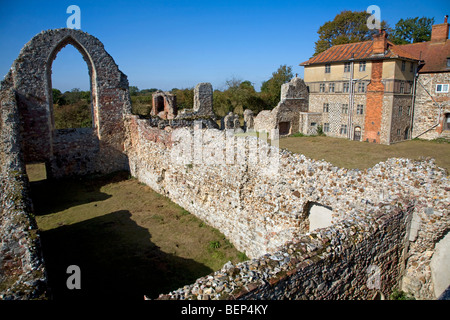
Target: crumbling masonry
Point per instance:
(382, 229)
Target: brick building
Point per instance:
(374, 90)
(432, 99)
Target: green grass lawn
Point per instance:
(354, 154)
(127, 239)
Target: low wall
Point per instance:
(358, 260)
(22, 271)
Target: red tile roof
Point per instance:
(435, 55)
(359, 51)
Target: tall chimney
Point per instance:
(379, 42)
(439, 32)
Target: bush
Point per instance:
(214, 244)
(400, 295)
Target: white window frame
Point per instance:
(444, 87)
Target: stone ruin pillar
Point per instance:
(203, 99)
(249, 121)
(228, 121)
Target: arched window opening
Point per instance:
(159, 104)
(71, 90)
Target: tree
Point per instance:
(271, 89)
(133, 90)
(56, 95)
(185, 97)
(346, 27)
(412, 30)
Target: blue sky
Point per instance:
(168, 43)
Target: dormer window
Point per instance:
(347, 67)
(362, 66)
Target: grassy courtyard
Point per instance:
(354, 154)
(127, 239)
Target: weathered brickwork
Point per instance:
(431, 107)
(30, 77)
(260, 211)
(286, 115)
(374, 113)
(359, 259)
(22, 271)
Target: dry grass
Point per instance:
(127, 239)
(354, 154)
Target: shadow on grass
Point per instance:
(57, 195)
(117, 260)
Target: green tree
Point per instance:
(185, 97)
(271, 89)
(412, 30)
(133, 90)
(56, 95)
(346, 27)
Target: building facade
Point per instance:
(432, 99)
(369, 91)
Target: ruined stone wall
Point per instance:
(22, 271)
(30, 77)
(293, 100)
(432, 224)
(357, 259)
(260, 210)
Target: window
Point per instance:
(344, 108)
(325, 107)
(411, 67)
(402, 87)
(362, 66)
(441, 88)
(398, 132)
(326, 127)
(406, 133)
(409, 110)
(403, 65)
(448, 62)
(347, 67)
(327, 68)
(331, 87)
(343, 129)
(361, 87)
(400, 110)
(359, 109)
(346, 87)
(322, 87)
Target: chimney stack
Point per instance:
(379, 42)
(439, 32)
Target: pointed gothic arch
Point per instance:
(69, 40)
(70, 151)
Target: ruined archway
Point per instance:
(70, 151)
